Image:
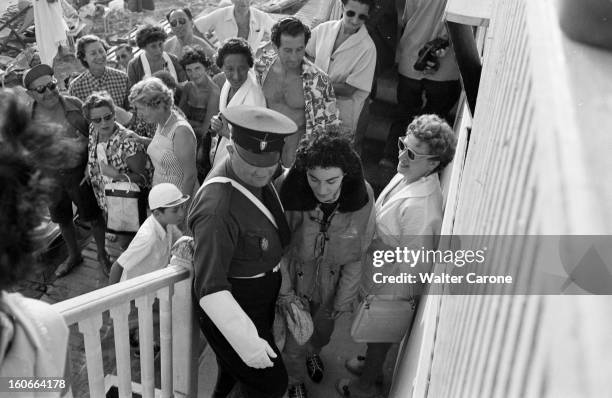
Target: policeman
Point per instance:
(239, 231)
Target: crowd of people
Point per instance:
(250, 149)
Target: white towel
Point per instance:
(250, 93)
(169, 65)
(50, 29)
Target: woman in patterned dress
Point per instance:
(113, 155)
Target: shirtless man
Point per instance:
(295, 87)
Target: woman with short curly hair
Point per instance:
(199, 102)
(408, 215)
(329, 207)
(153, 57)
(173, 147)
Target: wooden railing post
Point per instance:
(185, 331)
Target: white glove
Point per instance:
(238, 329)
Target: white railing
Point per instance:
(171, 286)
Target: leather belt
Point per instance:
(267, 273)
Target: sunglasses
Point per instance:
(106, 118)
(52, 85)
(175, 22)
(351, 14)
(412, 155)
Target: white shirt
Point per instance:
(224, 24)
(149, 250)
(353, 63)
(424, 21)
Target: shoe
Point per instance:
(355, 365)
(297, 391)
(386, 163)
(67, 266)
(315, 368)
(348, 388)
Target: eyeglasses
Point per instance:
(122, 56)
(412, 155)
(351, 14)
(174, 23)
(106, 118)
(52, 85)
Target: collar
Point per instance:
(296, 194)
(91, 76)
(229, 13)
(159, 230)
(67, 106)
(422, 187)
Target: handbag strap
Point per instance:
(370, 295)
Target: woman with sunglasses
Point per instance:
(344, 50)
(181, 23)
(329, 207)
(408, 215)
(113, 155)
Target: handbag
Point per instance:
(122, 205)
(380, 320)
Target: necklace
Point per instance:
(166, 123)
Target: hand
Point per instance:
(262, 359)
(85, 178)
(441, 52)
(216, 123)
(430, 68)
(108, 170)
(131, 134)
(335, 314)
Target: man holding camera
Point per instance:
(428, 73)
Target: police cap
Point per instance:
(259, 133)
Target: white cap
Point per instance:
(166, 195)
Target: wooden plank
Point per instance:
(165, 317)
(90, 328)
(120, 315)
(145, 335)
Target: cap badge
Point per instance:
(264, 244)
(263, 145)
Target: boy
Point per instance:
(150, 248)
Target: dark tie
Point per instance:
(270, 200)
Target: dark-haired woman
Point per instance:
(235, 59)
(199, 102)
(329, 207)
(91, 53)
(153, 57)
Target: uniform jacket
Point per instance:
(327, 271)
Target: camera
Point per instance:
(428, 54)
